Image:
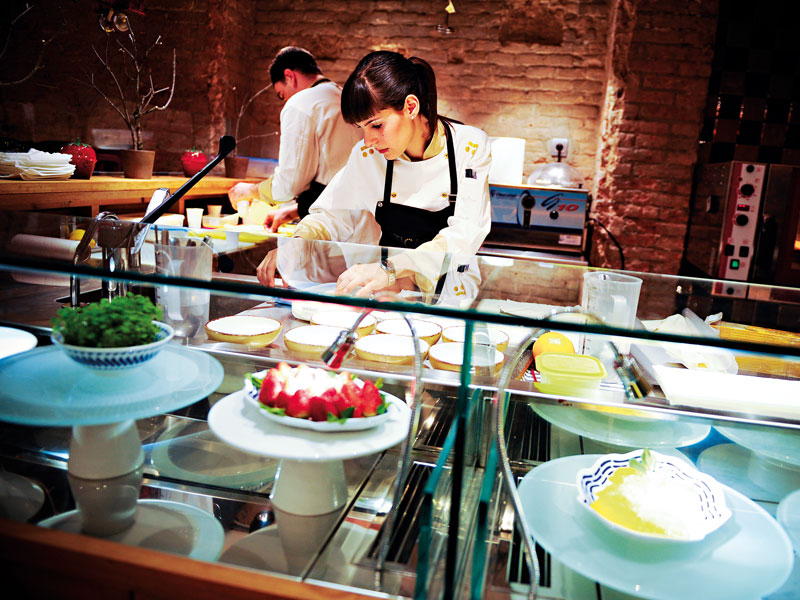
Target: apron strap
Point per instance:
(387, 184)
(451, 160)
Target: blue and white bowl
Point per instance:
(109, 360)
(710, 494)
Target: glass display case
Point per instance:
(502, 388)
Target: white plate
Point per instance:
(20, 497)
(46, 387)
(789, 517)
(237, 422)
(199, 457)
(14, 341)
(161, 525)
(774, 443)
(629, 432)
(748, 557)
(354, 424)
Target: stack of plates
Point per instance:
(35, 164)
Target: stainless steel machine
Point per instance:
(544, 219)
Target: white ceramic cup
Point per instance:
(614, 298)
(243, 208)
(231, 241)
(194, 216)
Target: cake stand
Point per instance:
(44, 387)
(310, 478)
(310, 488)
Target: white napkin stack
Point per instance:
(35, 164)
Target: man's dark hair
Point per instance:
(294, 58)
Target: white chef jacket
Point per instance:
(315, 142)
(345, 210)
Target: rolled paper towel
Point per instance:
(42, 247)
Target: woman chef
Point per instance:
(419, 182)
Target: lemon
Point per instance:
(77, 235)
(552, 341)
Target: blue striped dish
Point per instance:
(711, 494)
(110, 360)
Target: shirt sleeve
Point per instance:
(298, 155)
(345, 210)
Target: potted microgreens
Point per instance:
(112, 335)
(135, 94)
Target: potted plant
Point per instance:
(134, 94)
(236, 166)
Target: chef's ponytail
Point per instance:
(384, 79)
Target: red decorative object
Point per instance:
(83, 157)
(193, 160)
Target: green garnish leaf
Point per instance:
(379, 383)
(382, 407)
(348, 412)
(280, 412)
(256, 381)
(643, 464)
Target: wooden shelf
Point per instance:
(104, 190)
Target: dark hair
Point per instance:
(294, 58)
(384, 79)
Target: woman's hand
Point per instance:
(279, 216)
(362, 280)
(267, 269)
(242, 191)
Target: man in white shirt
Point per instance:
(315, 141)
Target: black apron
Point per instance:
(408, 226)
(309, 196)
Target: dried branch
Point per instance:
(257, 135)
(143, 93)
(242, 109)
(38, 66)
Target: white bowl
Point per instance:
(698, 502)
(109, 360)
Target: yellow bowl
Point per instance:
(497, 337)
(426, 330)
(387, 348)
(311, 339)
(344, 319)
(244, 329)
(449, 356)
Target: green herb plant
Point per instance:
(123, 321)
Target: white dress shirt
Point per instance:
(315, 142)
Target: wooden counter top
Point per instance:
(104, 190)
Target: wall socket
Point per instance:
(553, 151)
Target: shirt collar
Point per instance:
(435, 146)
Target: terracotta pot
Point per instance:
(236, 166)
(137, 164)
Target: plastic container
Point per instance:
(571, 374)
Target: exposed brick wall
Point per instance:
(656, 95)
(624, 80)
